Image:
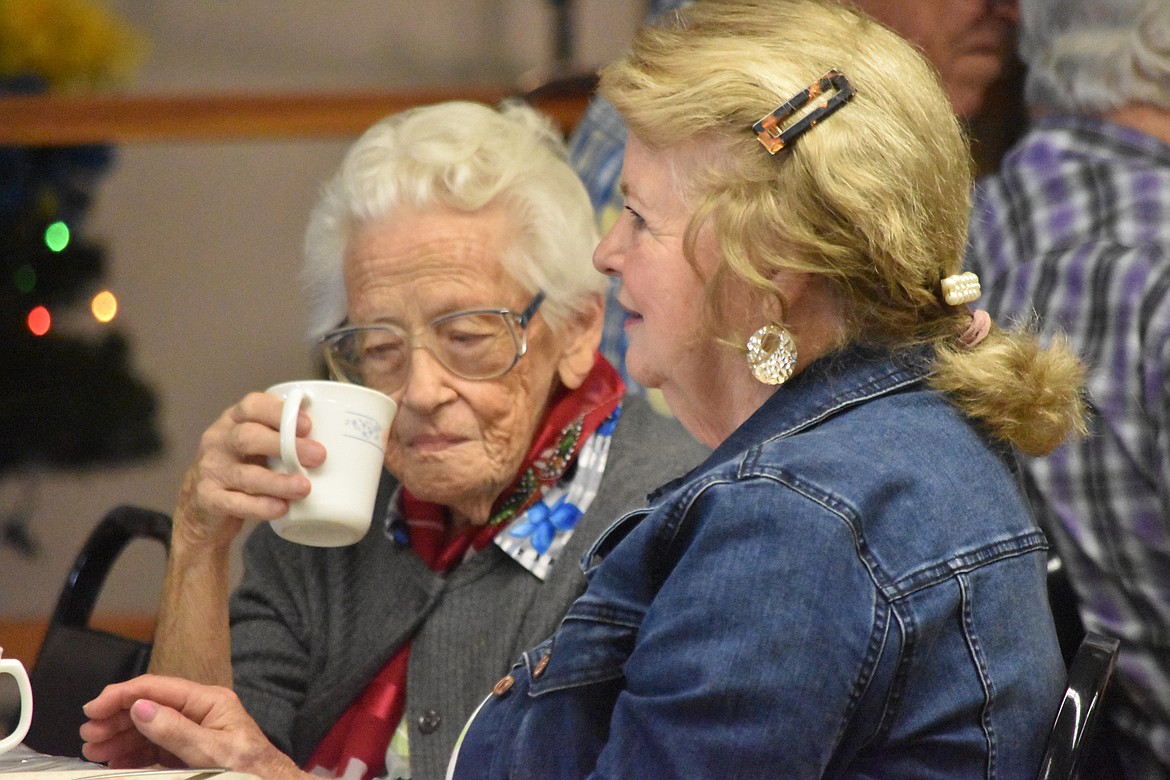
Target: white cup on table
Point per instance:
(16, 669)
(353, 422)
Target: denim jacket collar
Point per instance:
(828, 385)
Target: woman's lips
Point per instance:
(434, 442)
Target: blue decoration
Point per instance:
(606, 427)
(400, 531)
(542, 522)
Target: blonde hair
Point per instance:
(873, 199)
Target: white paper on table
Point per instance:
(130, 774)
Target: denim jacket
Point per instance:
(850, 586)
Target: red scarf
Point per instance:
(364, 730)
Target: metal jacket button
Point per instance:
(541, 665)
(504, 685)
(429, 721)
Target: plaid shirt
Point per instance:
(1075, 228)
(596, 149)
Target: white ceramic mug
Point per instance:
(16, 669)
(353, 422)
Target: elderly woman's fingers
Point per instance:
(263, 408)
(171, 731)
(103, 729)
(231, 481)
(222, 735)
(249, 432)
(123, 748)
(110, 736)
(188, 723)
(110, 707)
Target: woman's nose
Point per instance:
(426, 382)
(607, 257)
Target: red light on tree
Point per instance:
(39, 321)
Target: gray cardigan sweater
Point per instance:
(310, 627)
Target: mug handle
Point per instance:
(16, 669)
(288, 430)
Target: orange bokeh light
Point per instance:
(39, 321)
(104, 306)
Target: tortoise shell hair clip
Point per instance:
(768, 129)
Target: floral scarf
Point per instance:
(356, 746)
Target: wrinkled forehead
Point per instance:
(431, 262)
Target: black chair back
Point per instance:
(76, 661)
(1065, 609)
(1072, 734)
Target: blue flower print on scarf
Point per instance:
(542, 522)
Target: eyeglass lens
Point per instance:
(478, 345)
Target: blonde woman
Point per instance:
(851, 585)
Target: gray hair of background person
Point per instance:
(465, 156)
(1095, 56)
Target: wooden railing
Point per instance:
(39, 120)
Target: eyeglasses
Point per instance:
(475, 344)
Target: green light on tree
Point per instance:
(25, 278)
(57, 236)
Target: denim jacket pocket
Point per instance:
(610, 538)
(591, 646)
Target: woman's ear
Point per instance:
(580, 338)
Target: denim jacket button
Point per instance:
(541, 665)
(429, 721)
(504, 685)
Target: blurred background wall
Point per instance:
(202, 240)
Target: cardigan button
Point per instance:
(541, 665)
(504, 685)
(429, 721)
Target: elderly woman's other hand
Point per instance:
(230, 480)
(174, 722)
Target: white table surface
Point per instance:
(22, 758)
(23, 761)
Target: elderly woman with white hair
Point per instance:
(1074, 234)
(444, 224)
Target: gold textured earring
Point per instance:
(771, 353)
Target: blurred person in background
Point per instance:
(1074, 232)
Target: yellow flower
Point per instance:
(72, 44)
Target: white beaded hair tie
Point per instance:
(960, 289)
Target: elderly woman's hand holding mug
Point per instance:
(231, 480)
(317, 478)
